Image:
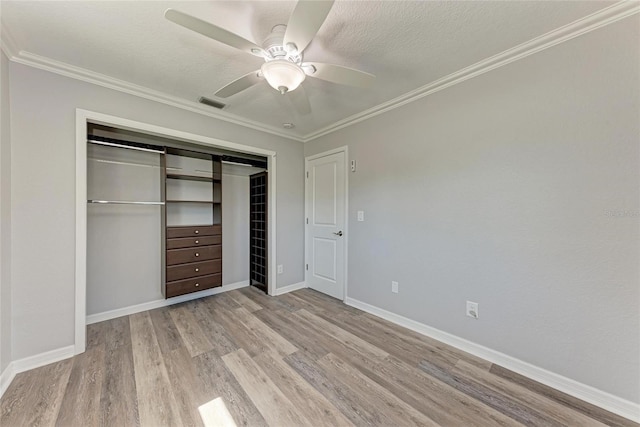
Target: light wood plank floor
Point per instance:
(245, 359)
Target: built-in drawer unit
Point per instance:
(191, 242)
(193, 269)
(192, 231)
(181, 256)
(196, 284)
(194, 259)
(193, 221)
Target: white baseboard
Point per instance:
(602, 399)
(32, 362)
(56, 355)
(132, 309)
(6, 377)
(290, 288)
(35, 361)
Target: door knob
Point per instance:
(339, 233)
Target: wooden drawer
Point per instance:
(181, 256)
(189, 242)
(194, 269)
(193, 285)
(191, 231)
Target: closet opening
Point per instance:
(170, 218)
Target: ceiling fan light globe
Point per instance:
(282, 73)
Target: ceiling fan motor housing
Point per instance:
(273, 45)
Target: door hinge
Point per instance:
(307, 266)
(307, 220)
(307, 174)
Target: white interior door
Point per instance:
(325, 239)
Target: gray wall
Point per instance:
(517, 189)
(235, 228)
(124, 242)
(5, 218)
(43, 184)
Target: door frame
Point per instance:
(344, 149)
(83, 117)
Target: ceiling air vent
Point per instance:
(211, 103)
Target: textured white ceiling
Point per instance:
(406, 44)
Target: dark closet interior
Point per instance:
(258, 274)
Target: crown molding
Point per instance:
(67, 70)
(604, 17)
(577, 28)
(9, 47)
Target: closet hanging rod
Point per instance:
(122, 202)
(130, 147)
(116, 162)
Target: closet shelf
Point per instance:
(123, 202)
(193, 252)
(206, 202)
(192, 177)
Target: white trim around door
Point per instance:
(345, 150)
(82, 118)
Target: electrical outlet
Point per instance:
(360, 216)
(394, 287)
(280, 269)
(353, 165)
(472, 309)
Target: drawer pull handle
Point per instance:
(197, 241)
(197, 232)
(197, 269)
(197, 254)
(197, 284)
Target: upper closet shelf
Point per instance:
(139, 146)
(209, 202)
(123, 202)
(190, 177)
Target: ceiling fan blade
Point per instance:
(300, 100)
(305, 21)
(213, 31)
(239, 85)
(338, 74)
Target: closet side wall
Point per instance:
(124, 242)
(235, 228)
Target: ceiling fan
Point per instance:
(282, 51)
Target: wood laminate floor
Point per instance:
(243, 358)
